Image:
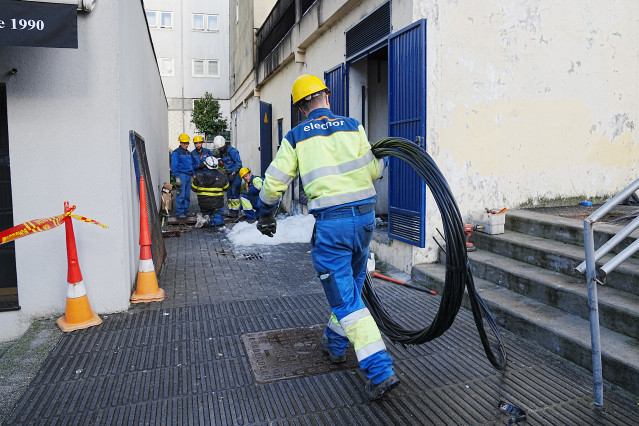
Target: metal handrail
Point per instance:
(591, 281)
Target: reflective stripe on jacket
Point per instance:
(334, 159)
(210, 183)
(181, 162)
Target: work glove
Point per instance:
(267, 225)
(178, 182)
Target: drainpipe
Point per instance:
(182, 59)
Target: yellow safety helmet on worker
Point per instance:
(306, 87)
(243, 171)
(184, 138)
(198, 139)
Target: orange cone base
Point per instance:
(147, 289)
(157, 297)
(68, 326)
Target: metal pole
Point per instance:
(620, 258)
(601, 251)
(593, 305)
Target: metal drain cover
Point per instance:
(291, 352)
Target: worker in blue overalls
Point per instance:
(200, 153)
(250, 197)
(337, 168)
(182, 170)
(230, 157)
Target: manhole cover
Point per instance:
(290, 352)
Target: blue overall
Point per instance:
(340, 252)
(232, 163)
(182, 168)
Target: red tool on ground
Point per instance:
(393, 280)
(468, 229)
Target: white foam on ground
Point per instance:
(290, 229)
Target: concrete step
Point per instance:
(560, 332)
(556, 256)
(564, 229)
(618, 310)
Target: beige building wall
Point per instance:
(527, 101)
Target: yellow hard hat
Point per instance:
(305, 86)
(184, 138)
(197, 139)
(243, 171)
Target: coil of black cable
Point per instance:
(458, 274)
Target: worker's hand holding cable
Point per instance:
(267, 225)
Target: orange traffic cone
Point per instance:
(147, 289)
(78, 313)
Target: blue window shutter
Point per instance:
(335, 81)
(407, 119)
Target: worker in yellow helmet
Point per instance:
(182, 170)
(337, 168)
(200, 153)
(250, 197)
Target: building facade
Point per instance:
(191, 41)
(66, 136)
(517, 102)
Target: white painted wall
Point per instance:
(69, 113)
(531, 100)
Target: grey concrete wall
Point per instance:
(69, 113)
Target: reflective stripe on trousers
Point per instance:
(340, 252)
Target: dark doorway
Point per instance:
(8, 276)
(266, 136)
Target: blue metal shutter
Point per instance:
(407, 119)
(335, 81)
(266, 136)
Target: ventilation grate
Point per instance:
(369, 30)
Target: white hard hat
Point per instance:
(219, 142)
(210, 162)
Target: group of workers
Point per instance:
(334, 159)
(210, 177)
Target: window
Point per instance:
(166, 67)
(152, 18)
(206, 68)
(166, 19)
(211, 23)
(200, 19)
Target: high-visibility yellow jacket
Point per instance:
(334, 159)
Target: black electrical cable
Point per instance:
(458, 273)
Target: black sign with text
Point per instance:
(26, 23)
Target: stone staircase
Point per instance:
(526, 276)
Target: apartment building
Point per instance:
(191, 41)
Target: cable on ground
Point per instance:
(458, 273)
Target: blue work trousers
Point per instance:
(233, 193)
(340, 252)
(183, 197)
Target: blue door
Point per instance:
(335, 79)
(407, 119)
(266, 136)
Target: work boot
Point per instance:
(376, 391)
(335, 359)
